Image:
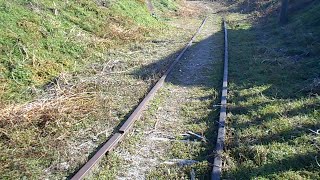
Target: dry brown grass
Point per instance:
(188, 9)
(48, 130)
(53, 135)
(61, 98)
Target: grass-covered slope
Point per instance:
(40, 38)
(165, 5)
(274, 96)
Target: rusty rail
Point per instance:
(217, 165)
(124, 129)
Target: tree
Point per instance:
(284, 11)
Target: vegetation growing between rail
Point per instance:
(64, 85)
(176, 109)
(274, 95)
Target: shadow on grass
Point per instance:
(249, 68)
(259, 119)
(265, 123)
(204, 78)
(295, 163)
(284, 81)
(285, 136)
(192, 71)
(157, 69)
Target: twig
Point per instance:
(181, 162)
(216, 105)
(193, 175)
(316, 132)
(156, 124)
(197, 135)
(117, 72)
(316, 157)
(55, 10)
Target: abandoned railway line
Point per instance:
(120, 134)
(160, 89)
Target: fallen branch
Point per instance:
(181, 162)
(197, 135)
(316, 157)
(192, 175)
(316, 132)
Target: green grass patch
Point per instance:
(164, 5)
(58, 52)
(274, 101)
(41, 39)
(195, 113)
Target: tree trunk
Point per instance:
(284, 12)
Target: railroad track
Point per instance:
(127, 126)
(217, 165)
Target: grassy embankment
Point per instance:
(41, 39)
(274, 94)
(62, 81)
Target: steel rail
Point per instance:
(217, 165)
(124, 129)
(137, 112)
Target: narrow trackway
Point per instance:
(183, 104)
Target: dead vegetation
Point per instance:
(174, 134)
(72, 115)
(188, 9)
(53, 134)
